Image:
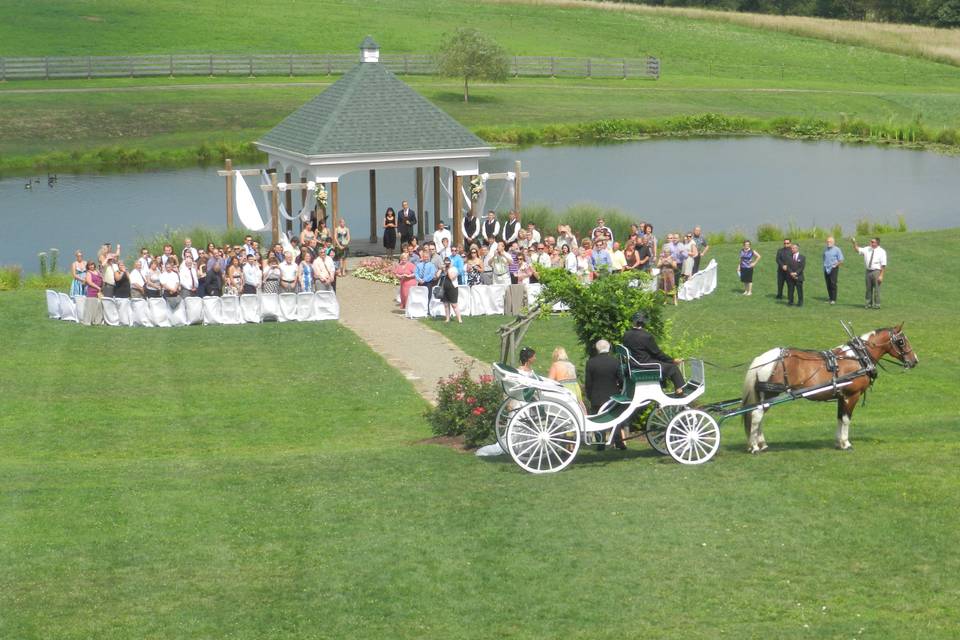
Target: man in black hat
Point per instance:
(644, 348)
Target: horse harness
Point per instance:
(830, 363)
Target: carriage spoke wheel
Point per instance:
(543, 437)
(656, 427)
(692, 437)
(502, 422)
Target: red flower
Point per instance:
(486, 378)
(471, 400)
(479, 411)
(459, 396)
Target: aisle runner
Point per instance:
(158, 312)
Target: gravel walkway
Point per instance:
(421, 354)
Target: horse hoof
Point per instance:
(845, 447)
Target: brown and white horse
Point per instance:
(786, 369)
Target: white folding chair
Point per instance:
(230, 310)
(497, 292)
(177, 311)
(193, 307)
(465, 300)
(479, 300)
(417, 302)
(270, 308)
(53, 305)
(111, 314)
(211, 310)
(306, 306)
(250, 307)
(140, 313)
(159, 312)
(68, 308)
(288, 306)
(533, 293)
(326, 306)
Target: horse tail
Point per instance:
(759, 371)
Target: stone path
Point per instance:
(421, 354)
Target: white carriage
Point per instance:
(542, 425)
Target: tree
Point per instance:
(471, 55)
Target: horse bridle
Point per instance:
(899, 342)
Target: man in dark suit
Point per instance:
(795, 265)
(643, 348)
(603, 379)
(406, 221)
(783, 254)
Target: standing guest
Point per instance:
(92, 309)
(511, 229)
(189, 278)
(79, 272)
(307, 234)
(104, 253)
(513, 253)
(783, 255)
(474, 267)
(795, 267)
(490, 228)
(875, 261)
(630, 259)
(213, 282)
(544, 258)
(188, 250)
(532, 234)
(234, 284)
(167, 255)
(587, 245)
(252, 274)
(745, 265)
(271, 276)
(248, 246)
(644, 257)
(413, 250)
(470, 227)
(407, 220)
(152, 288)
(435, 257)
(618, 260)
(651, 240)
(324, 273)
(600, 260)
(524, 269)
(306, 273)
(668, 274)
(109, 275)
(390, 231)
(137, 281)
(601, 231)
(445, 251)
(406, 274)
(450, 292)
(499, 262)
(442, 233)
(689, 263)
(288, 274)
(565, 237)
(702, 247)
(523, 240)
(677, 249)
(426, 273)
(343, 245)
(832, 260)
(144, 259)
(563, 371)
(459, 264)
(603, 380)
(569, 258)
(583, 264)
(121, 285)
(170, 281)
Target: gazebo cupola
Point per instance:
(367, 120)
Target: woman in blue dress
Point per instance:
(79, 271)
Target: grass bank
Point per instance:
(236, 481)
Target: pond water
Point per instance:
(718, 183)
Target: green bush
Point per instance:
(11, 277)
(769, 233)
(837, 232)
(716, 238)
(863, 227)
(57, 281)
(466, 407)
(901, 223)
(737, 236)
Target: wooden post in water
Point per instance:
(422, 222)
(373, 206)
(228, 168)
(518, 181)
(287, 223)
(274, 208)
(457, 221)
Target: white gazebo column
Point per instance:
(457, 221)
(436, 193)
(287, 223)
(373, 206)
(422, 223)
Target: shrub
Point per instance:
(56, 281)
(378, 270)
(901, 223)
(737, 236)
(769, 232)
(11, 277)
(863, 227)
(716, 238)
(836, 231)
(466, 407)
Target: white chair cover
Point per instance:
(250, 307)
(480, 299)
(53, 305)
(288, 305)
(178, 312)
(140, 313)
(326, 306)
(123, 311)
(111, 314)
(436, 308)
(533, 292)
(68, 308)
(159, 312)
(212, 313)
(305, 306)
(230, 310)
(699, 284)
(270, 308)
(193, 307)
(497, 292)
(417, 302)
(464, 300)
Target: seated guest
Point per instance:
(563, 371)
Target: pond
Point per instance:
(719, 183)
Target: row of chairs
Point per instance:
(478, 300)
(158, 312)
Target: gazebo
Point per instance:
(367, 120)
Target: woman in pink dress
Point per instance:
(405, 272)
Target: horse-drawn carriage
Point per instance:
(542, 425)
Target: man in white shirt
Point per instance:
(252, 275)
(490, 228)
(143, 262)
(618, 258)
(170, 280)
(441, 233)
(542, 256)
(533, 236)
(188, 250)
(602, 231)
(511, 230)
(875, 261)
(189, 282)
(288, 274)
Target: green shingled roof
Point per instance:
(369, 110)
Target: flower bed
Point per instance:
(466, 407)
(377, 269)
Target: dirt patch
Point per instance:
(92, 18)
(453, 442)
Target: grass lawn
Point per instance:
(708, 66)
(263, 481)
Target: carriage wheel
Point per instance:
(543, 437)
(693, 437)
(502, 422)
(656, 427)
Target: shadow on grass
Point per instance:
(453, 97)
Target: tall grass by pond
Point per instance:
(199, 236)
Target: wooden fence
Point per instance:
(302, 65)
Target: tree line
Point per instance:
(938, 13)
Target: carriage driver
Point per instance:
(643, 348)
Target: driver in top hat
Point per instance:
(643, 348)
